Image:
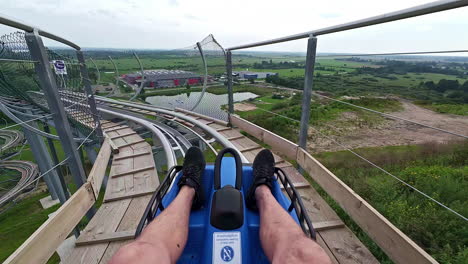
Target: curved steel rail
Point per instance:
(28, 170)
(97, 70)
(116, 70)
(215, 134)
(142, 84)
(205, 78)
(12, 138)
(170, 155)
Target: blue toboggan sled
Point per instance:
(224, 230)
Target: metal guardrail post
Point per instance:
(307, 92)
(49, 87)
(89, 92)
(44, 162)
(55, 159)
(229, 83)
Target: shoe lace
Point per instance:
(264, 172)
(189, 172)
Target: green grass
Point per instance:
(437, 169)
(20, 221)
(8, 179)
(456, 109)
(322, 113)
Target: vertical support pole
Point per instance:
(49, 87)
(89, 92)
(229, 84)
(307, 92)
(44, 163)
(60, 177)
(55, 159)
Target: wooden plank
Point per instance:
(235, 138)
(111, 126)
(223, 129)
(106, 237)
(248, 127)
(113, 146)
(277, 143)
(399, 247)
(280, 144)
(325, 225)
(250, 148)
(96, 175)
(41, 245)
(135, 184)
(115, 129)
(118, 186)
(129, 222)
(106, 220)
(133, 171)
(131, 143)
(339, 243)
(244, 143)
(132, 155)
(124, 135)
(128, 195)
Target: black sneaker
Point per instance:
(263, 173)
(192, 173)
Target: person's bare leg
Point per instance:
(164, 239)
(282, 239)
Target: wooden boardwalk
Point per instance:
(128, 191)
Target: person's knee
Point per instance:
(140, 252)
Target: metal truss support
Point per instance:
(44, 162)
(49, 87)
(55, 159)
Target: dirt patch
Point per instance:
(244, 107)
(352, 133)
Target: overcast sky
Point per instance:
(171, 24)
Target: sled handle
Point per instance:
(217, 168)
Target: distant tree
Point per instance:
(464, 87)
(445, 85)
(187, 86)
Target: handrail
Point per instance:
(419, 10)
(19, 25)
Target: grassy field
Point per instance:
(322, 112)
(19, 222)
(437, 169)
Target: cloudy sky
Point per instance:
(170, 24)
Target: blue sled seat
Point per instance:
(224, 230)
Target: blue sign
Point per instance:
(60, 67)
(227, 253)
